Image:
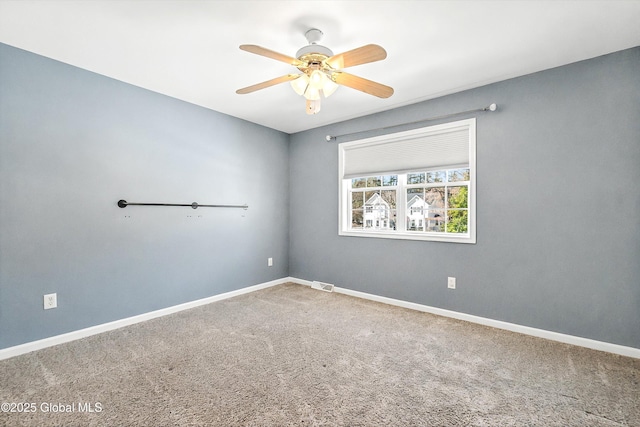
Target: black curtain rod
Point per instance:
(491, 107)
(194, 205)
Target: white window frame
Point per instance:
(344, 202)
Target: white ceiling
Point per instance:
(189, 49)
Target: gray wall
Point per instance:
(558, 243)
(72, 143)
(558, 202)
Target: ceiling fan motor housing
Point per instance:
(313, 48)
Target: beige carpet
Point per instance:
(290, 355)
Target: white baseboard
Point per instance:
(93, 330)
(540, 333)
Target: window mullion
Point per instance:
(401, 204)
(446, 207)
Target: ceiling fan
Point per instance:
(321, 70)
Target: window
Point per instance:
(417, 185)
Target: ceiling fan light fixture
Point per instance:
(300, 84)
(317, 79)
(320, 81)
(329, 87)
(312, 93)
(313, 86)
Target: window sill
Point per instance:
(432, 237)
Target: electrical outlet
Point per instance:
(451, 283)
(270, 262)
(50, 301)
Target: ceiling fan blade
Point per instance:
(268, 83)
(271, 54)
(361, 55)
(363, 85)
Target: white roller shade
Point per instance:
(435, 147)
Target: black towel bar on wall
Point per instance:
(194, 205)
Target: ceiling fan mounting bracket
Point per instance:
(314, 50)
(313, 36)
